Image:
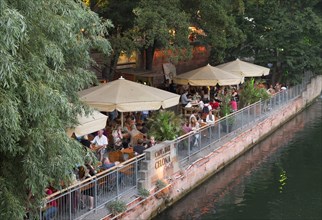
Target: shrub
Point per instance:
(144, 192)
(160, 184)
(117, 207)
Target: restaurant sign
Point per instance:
(162, 156)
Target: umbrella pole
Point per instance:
(122, 119)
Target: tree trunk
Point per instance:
(110, 68)
(149, 57)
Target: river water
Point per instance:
(280, 178)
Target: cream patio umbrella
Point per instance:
(208, 76)
(243, 68)
(89, 124)
(127, 96)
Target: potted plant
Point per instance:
(165, 125)
(225, 111)
(144, 193)
(116, 207)
(160, 185)
(252, 93)
(225, 106)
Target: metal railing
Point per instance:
(74, 202)
(93, 194)
(208, 138)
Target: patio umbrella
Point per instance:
(208, 76)
(243, 68)
(127, 96)
(89, 124)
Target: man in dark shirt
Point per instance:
(139, 148)
(85, 142)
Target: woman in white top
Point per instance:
(194, 125)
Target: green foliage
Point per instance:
(165, 125)
(217, 19)
(121, 35)
(160, 184)
(44, 47)
(117, 207)
(144, 192)
(164, 25)
(251, 93)
(225, 106)
(284, 33)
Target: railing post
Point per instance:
(136, 172)
(70, 204)
(189, 142)
(248, 112)
(242, 118)
(260, 108)
(219, 128)
(95, 193)
(117, 183)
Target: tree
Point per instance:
(286, 34)
(44, 47)
(162, 24)
(121, 35)
(217, 19)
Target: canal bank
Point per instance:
(279, 178)
(182, 168)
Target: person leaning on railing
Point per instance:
(107, 164)
(51, 207)
(88, 190)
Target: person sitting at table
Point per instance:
(139, 148)
(214, 104)
(184, 98)
(151, 142)
(107, 164)
(129, 123)
(271, 90)
(201, 104)
(100, 141)
(89, 166)
(142, 127)
(118, 139)
(210, 119)
(196, 96)
(85, 142)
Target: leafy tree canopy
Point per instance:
(163, 24)
(44, 47)
(286, 34)
(121, 35)
(217, 19)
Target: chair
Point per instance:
(107, 184)
(115, 156)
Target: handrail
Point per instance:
(121, 165)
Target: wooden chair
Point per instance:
(115, 156)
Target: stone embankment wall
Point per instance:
(182, 181)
